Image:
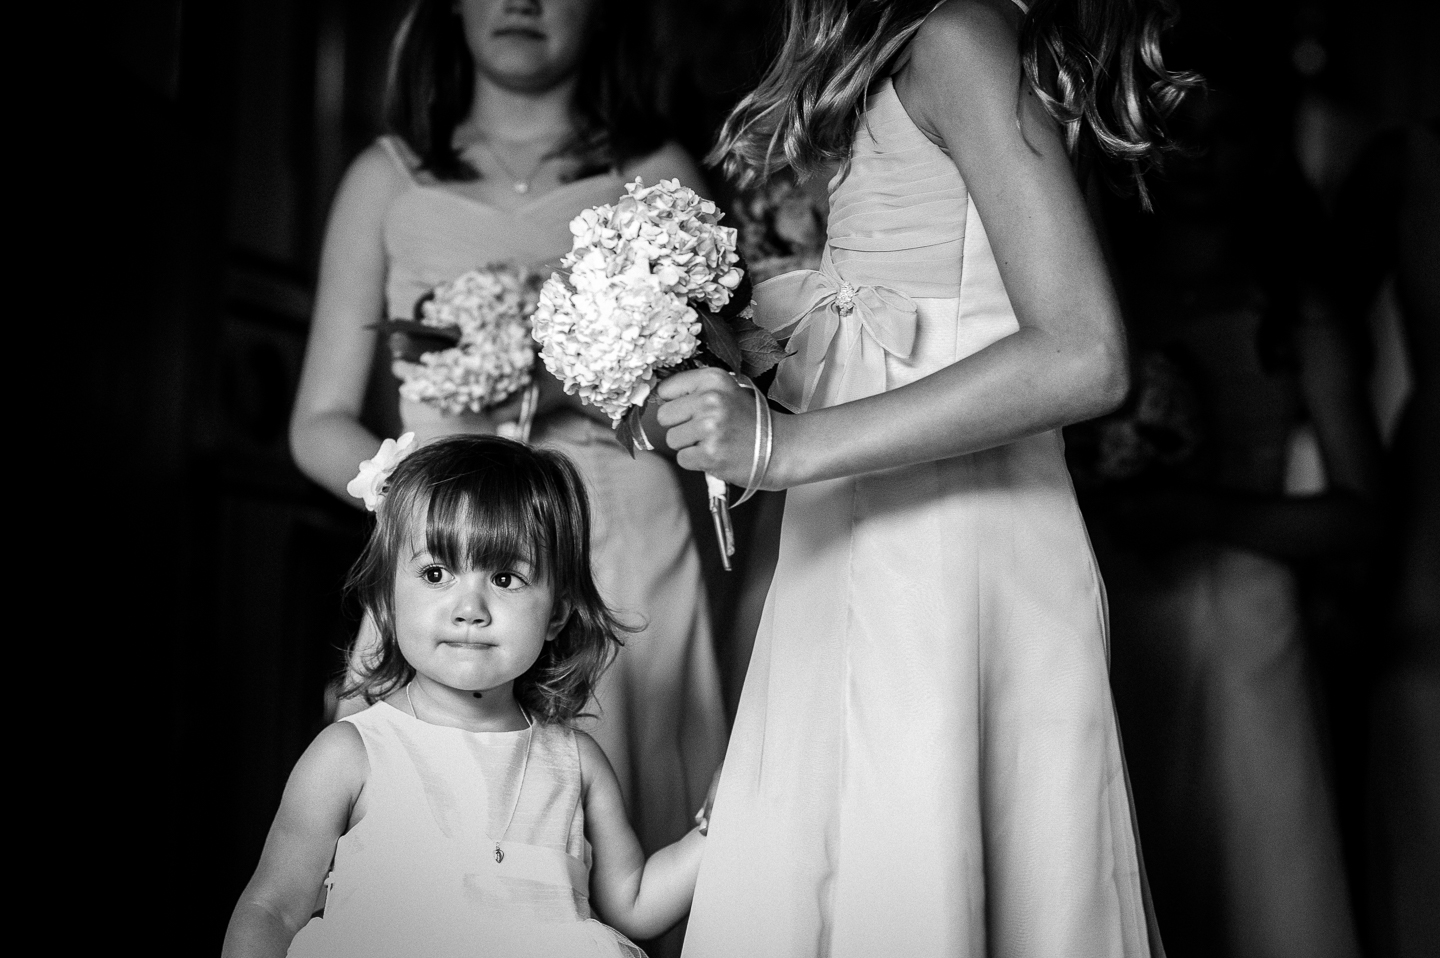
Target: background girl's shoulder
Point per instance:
(671, 161)
(379, 173)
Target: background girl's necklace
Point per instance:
(522, 183)
(524, 767)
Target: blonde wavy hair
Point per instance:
(1095, 65)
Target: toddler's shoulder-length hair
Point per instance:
(1095, 65)
(486, 502)
(431, 84)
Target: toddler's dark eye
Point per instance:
(433, 574)
(505, 580)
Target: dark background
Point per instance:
(227, 126)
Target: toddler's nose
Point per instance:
(471, 616)
(472, 609)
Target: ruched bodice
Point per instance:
(433, 234)
(898, 215)
(908, 283)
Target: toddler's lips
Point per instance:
(464, 644)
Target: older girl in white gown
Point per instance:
(926, 760)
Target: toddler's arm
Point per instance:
(314, 812)
(641, 898)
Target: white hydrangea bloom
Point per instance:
(491, 307)
(624, 312)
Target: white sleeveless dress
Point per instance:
(418, 876)
(926, 761)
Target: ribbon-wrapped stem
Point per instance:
(632, 436)
(759, 464)
(720, 518)
(520, 429)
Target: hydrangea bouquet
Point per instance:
(654, 285)
(470, 342)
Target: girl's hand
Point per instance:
(702, 817)
(710, 421)
(641, 897)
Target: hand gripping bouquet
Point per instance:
(655, 285)
(470, 344)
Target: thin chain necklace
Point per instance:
(521, 183)
(524, 767)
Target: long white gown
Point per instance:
(926, 761)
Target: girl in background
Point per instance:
(1208, 566)
(509, 117)
(925, 760)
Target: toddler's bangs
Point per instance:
(492, 523)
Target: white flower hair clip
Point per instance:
(369, 484)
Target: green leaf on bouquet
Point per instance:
(720, 340)
(760, 351)
(409, 339)
(629, 428)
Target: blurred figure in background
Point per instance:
(1246, 450)
(507, 118)
(1388, 219)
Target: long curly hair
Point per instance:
(1095, 65)
(489, 503)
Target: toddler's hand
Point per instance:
(702, 817)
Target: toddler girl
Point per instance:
(460, 813)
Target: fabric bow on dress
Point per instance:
(833, 325)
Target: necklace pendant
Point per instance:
(522, 187)
(499, 855)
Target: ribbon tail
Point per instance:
(890, 318)
(800, 372)
(782, 303)
(864, 370)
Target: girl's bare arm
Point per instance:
(1067, 360)
(326, 436)
(314, 812)
(640, 897)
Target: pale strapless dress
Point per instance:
(926, 760)
(661, 719)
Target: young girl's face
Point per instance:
(526, 44)
(472, 630)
